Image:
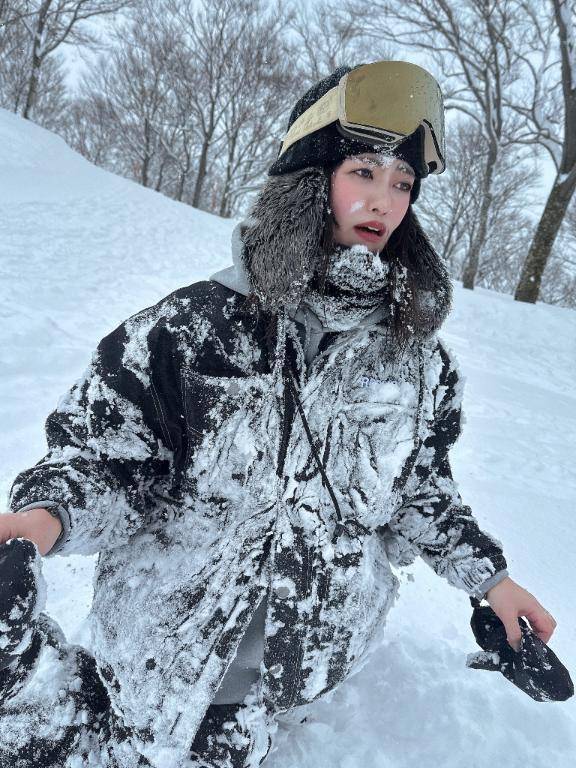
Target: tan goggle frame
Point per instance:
(382, 103)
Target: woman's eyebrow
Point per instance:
(401, 166)
(406, 169)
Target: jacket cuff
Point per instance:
(489, 583)
(58, 511)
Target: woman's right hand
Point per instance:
(36, 525)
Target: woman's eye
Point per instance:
(364, 173)
(405, 186)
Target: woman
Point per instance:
(248, 456)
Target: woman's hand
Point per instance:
(36, 525)
(509, 600)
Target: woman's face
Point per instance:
(369, 195)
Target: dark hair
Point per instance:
(403, 285)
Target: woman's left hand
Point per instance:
(509, 600)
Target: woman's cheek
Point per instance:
(351, 201)
(356, 205)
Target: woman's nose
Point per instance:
(381, 201)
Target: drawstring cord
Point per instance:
(341, 524)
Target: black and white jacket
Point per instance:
(181, 458)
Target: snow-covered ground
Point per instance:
(81, 249)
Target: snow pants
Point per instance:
(55, 713)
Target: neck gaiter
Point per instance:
(355, 288)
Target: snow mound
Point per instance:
(23, 144)
(37, 164)
(80, 250)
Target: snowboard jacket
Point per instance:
(181, 458)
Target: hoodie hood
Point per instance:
(278, 249)
(235, 277)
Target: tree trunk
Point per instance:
(184, 175)
(528, 288)
(201, 175)
(36, 59)
(146, 159)
(224, 204)
(160, 179)
(206, 142)
(473, 260)
(180, 189)
(224, 197)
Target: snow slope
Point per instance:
(81, 249)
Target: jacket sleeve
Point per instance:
(432, 520)
(110, 449)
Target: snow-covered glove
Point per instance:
(22, 597)
(534, 668)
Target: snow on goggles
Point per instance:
(382, 103)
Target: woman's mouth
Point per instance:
(371, 231)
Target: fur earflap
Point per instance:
(282, 239)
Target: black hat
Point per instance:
(328, 147)
(534, 668)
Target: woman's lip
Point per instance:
(370, 237)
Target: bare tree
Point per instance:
(212, 34)
(559, 279)
(475, 47)
(549, 120)
(129, 91)
(450, 207)
(257, 95)
(325, 40)
(12, 12)
(14, 70)
(178, 130)
(92, 130)
(559, 285)
(14, 43)
(191, 109)
(449, 204)
(48, 24)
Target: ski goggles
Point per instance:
(381, 103)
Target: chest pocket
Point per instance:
(232, 427)
(374, 433)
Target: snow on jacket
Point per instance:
(179, 456)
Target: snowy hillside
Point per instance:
(81, 249)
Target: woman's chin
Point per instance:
(352, 241)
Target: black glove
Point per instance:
(534, 668)
(20, 604)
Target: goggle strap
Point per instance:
(319, 115)
(431, 148)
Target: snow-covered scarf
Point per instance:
(354, 289)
